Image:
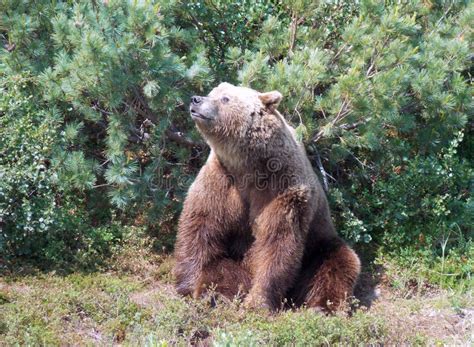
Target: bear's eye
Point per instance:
(224, 99)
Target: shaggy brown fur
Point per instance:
(256, 219)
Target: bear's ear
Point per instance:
(270, 99)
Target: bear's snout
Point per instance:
(196, 100)
(201, 110)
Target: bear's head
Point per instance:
(227, 112)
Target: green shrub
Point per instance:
(223, 24)
(43, 207)
(415, 270)
(30, 215)
(423, 203)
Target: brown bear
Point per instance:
(256, 221)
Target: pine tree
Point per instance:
(111, 69)
(118, 75)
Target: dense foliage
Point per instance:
(113, 76)
(94, 127)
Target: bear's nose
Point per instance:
(196, 100)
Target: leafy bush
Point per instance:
(43, 207)
(30, 217)
(422, 202)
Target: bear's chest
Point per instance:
(256, 200)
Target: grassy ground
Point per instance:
(132, 302)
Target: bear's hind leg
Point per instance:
(329, 278)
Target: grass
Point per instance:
(132, 302)
(112, 308)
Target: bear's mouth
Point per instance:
(195, 114)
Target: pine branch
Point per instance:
(339, 52)
(295, 21)
(182, 140)
(343, 112)
(142, 108)
(352, 126)
(323, 172)
(293, 30)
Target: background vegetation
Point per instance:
(97, 151)
(95, 133)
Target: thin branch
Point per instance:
(369, 70)
(358, 160)
(444, 15)
(182, 140)
(374, 57)
(296, 108)
(352, 126)
(339, 52)
(101, 185)
(343, 112)
(324, 113)
(293, 30)
(323, 172)
(105, 163)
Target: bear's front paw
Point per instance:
(183, 290)
(256, 302)
(184, 287)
